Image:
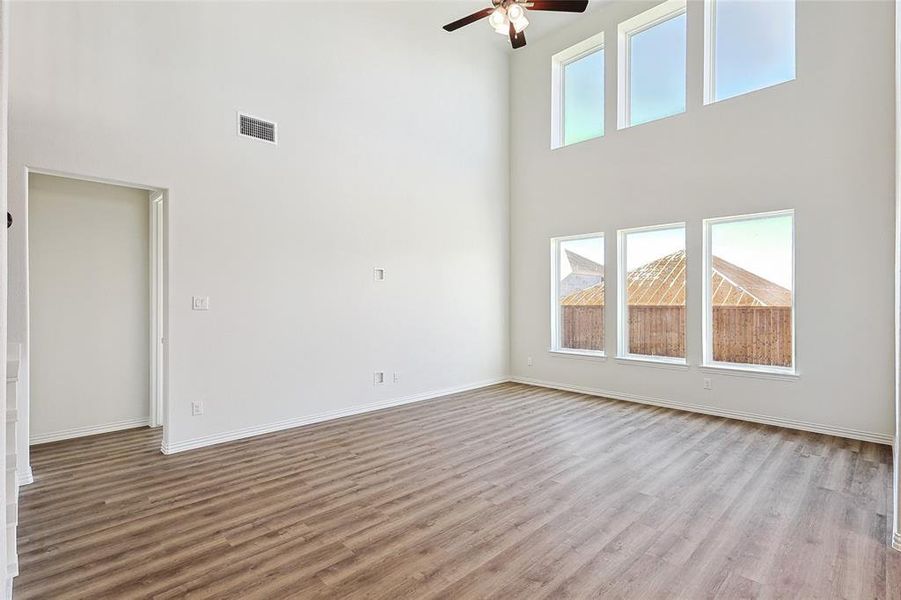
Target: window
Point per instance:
(652, 64)
(749, 45)
(749, 292)
(578, 92)
(577, 321)
(652, 293)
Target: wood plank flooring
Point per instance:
(509, 491)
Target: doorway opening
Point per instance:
(97, 288)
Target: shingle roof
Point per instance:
(662, 283)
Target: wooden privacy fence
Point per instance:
(657, 330)
(582, 327)
(759, 335)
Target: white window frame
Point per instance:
(558, 61)
(707, 324)
(630, 27)
(622, 307)
(555, 345)
(710, 55)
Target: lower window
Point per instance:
(749, 312)
(578, 294)
(652, 293)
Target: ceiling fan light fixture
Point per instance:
(498, 19)
(515, 12)
(520, 24)
(508, 17)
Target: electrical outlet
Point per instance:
(529, 361)
(378, 274)
(708, 385)
(200, 303)
(378, 378)
(396, 377)
(196, 408)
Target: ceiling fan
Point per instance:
(508, 17)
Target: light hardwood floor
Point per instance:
(506, 492)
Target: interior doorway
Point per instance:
(97, 289)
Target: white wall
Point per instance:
(822, 144)
(5, 579)
(392, 153)
(90, 306)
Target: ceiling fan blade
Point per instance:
(470, 19)
(575, 6)
(517, 40)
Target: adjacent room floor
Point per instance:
(509, 492)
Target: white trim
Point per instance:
(246, 432)
(707, 361)
(896, 450)
(844, 432)
(25, 478)
(739, 370)
(665, 362)
(77, 432)
(558, 64)
(583, 354)
(622, 289)
(624, 32)
(709, 73)
(157, 287)
(91, 178)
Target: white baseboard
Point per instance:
(845, 432)
(75, 432)
(26, 477)
(237, 434)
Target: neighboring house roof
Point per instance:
(585, 273)
(662, 283)
(583, 266)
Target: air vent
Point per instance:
(255, 128)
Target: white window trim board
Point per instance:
(558, 61)
(555, 347)
(625, 30)
(707, 361)
(709, 73)
(622, 314)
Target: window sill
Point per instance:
(581, 354)
(759, 373)
(660, 362)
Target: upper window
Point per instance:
(577, 321)
(652, 64)
(578, 92)
(652, 293)
(749, 295)
(750, 45)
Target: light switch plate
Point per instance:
(200, 303)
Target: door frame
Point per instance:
(157, 316)
(158, 206)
